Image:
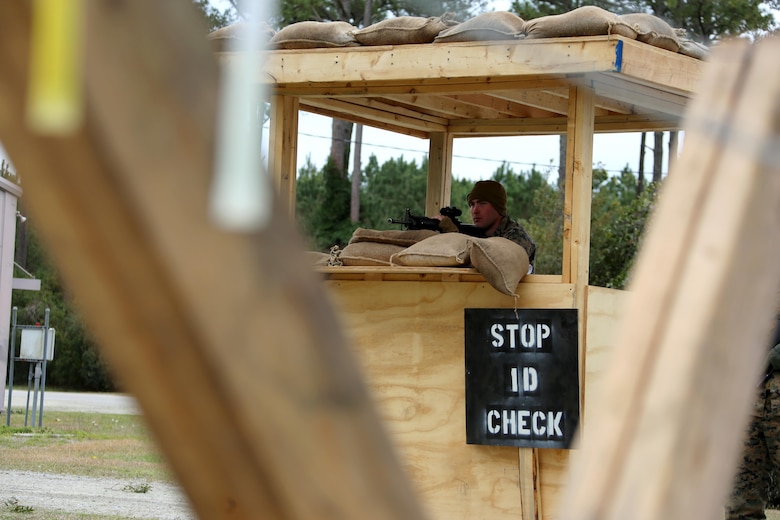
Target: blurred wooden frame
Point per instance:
(287, 430)
(227, 340)
(663, 439)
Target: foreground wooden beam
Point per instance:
(664, 436)
(227, 341)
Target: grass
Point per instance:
(87, 444)
(95, 445)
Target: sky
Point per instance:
(474, 158)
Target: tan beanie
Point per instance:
(492, 192)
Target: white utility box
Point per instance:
(32, 344)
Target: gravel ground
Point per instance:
(97, 496)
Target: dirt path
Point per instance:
(97, 496)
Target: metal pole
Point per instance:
(43, 375)
(12, 355)
(30, 373)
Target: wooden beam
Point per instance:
(616, 87)
(445, 105)
(245, 380)
(665, 436)
(649, 65)
(368, 113)
(538, 98)
(481, 127)
(382, 125)
(556, 126)
(439, 191)
(283, 149)
(421, 86)
(501, 107)
(531, 505)
(461, 60)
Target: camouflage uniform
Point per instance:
(513, 231)
(508, 229)
(761, 453)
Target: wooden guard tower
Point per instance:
(407, 323)
(277, 394)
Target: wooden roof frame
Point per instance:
(393, 87)
(440, 91)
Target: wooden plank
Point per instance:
(452, 60)
(543, 99)
(651, 65)
(605, 309)
(382, 125)
(617, 87)
(487, 127)
(556, 126)
(439, 188)
(422, 274)
(577, 196)
(409, 336)
(378, 115)
(644, 122)
(283, 149)
(530, 491)
(501, 107)
(440, 85)
(244, 380)
(394, 107)
(665, 437)
(445, 105)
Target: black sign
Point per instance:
(522, 383)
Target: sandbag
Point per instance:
(440, 250)
(497, 25)
(693, 49)
(502, 262)
(312, 35)
(368, 253)
(400, 237)
(403, 30)
(588, 20)
(653, 31)
(222, 38)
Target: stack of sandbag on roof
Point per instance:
(403, 30)
(654, 31)
(314, 35)
(588, 20)
(498, 25)
(222, 38)
(492, 26)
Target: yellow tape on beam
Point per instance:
(55, 97)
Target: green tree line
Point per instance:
(619, 210)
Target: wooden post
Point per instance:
(226, 339)
(439, 173)
(666, 433)
(283, 149)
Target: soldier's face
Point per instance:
(484, 215)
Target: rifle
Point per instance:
(417, 222)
